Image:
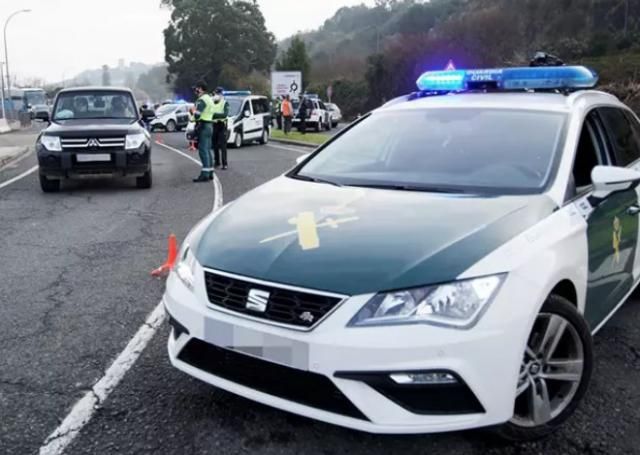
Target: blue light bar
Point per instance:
(531, 78)
(237, 92)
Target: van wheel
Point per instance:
(171, 126)
(238, 141)
(264, 139)
(145, 182)
(49, 185)
(554, 374)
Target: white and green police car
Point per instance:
(442, 264)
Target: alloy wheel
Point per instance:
(551, 371)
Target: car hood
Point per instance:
(90, 127)
(354, 241)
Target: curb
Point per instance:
(297, 143)
(9, 159)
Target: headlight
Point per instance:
(186, 268)
(459, 304)
(51, 143)
(135, 141)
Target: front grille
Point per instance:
(285, 306)
(93, 143)
(303, 387)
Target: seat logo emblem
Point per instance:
(257, 300)
(307, 317)
(93, 143)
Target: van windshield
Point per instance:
(100, 104)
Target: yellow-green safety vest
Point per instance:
(209, 108)
(219, 109)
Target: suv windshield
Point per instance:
(100, 104)
(35, 98)
(459, 150)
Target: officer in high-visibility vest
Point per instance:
(220, 116)
(204, 130)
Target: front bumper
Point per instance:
(331, 358)
(65, 164)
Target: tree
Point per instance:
(106, 75)
(296, 58)
(154, 83)
(205, 35)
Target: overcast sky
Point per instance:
(60, 38)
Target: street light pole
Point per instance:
(6, 53)
(4, 114)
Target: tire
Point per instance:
(574, 341)
(145, 182)
(171, 126)
(264, 139)
(49, 185)
(238, 141)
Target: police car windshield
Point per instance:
(166, 109)
(234, 105)
(94, 105)
(462, 149)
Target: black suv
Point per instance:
(94, 132)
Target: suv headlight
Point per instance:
(186, 268)
(459, 304)
(135, 141)
(51, 143)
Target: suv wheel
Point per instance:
(555, 372)
(265, 136)
(49, 185)
(145, 181)
(171, 126)
(237, 143)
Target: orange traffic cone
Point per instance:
(165, 268)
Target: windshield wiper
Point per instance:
(308, 178)
(403, 187)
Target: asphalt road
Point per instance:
(75, 287)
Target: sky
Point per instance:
(60, 38)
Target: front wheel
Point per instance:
(49, 185)
(145, 181)
(237, 142)
(555, 372)
(171, 126)
(264, 139)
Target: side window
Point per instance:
(246, 107)
(322, 106)
(588, 156)
(257, 108)
(265, 106)
(624, 142)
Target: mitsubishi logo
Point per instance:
(257, 300)
(93, 143)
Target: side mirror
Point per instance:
(611, 179)
(44, 116)
(247, 114)
(301, 158)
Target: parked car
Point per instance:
(171, 117)
(318, 117)
(335, 113)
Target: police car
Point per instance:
(318, 116)
(442, 264)
(249, 119)
(171, 117)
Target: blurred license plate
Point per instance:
(95, 157)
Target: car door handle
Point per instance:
(633, 210)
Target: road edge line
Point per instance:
(84, 409)
(18, 177)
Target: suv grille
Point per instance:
(285, 306)
(98, 143)
(304, 387)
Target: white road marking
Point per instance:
(281, 147)
(18, 177)
(83, 410)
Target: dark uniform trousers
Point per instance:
(220, 143)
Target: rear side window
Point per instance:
(626, 148)
(258, 107)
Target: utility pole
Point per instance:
(4, 114)
(6, 53)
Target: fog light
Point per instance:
(432, 378)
